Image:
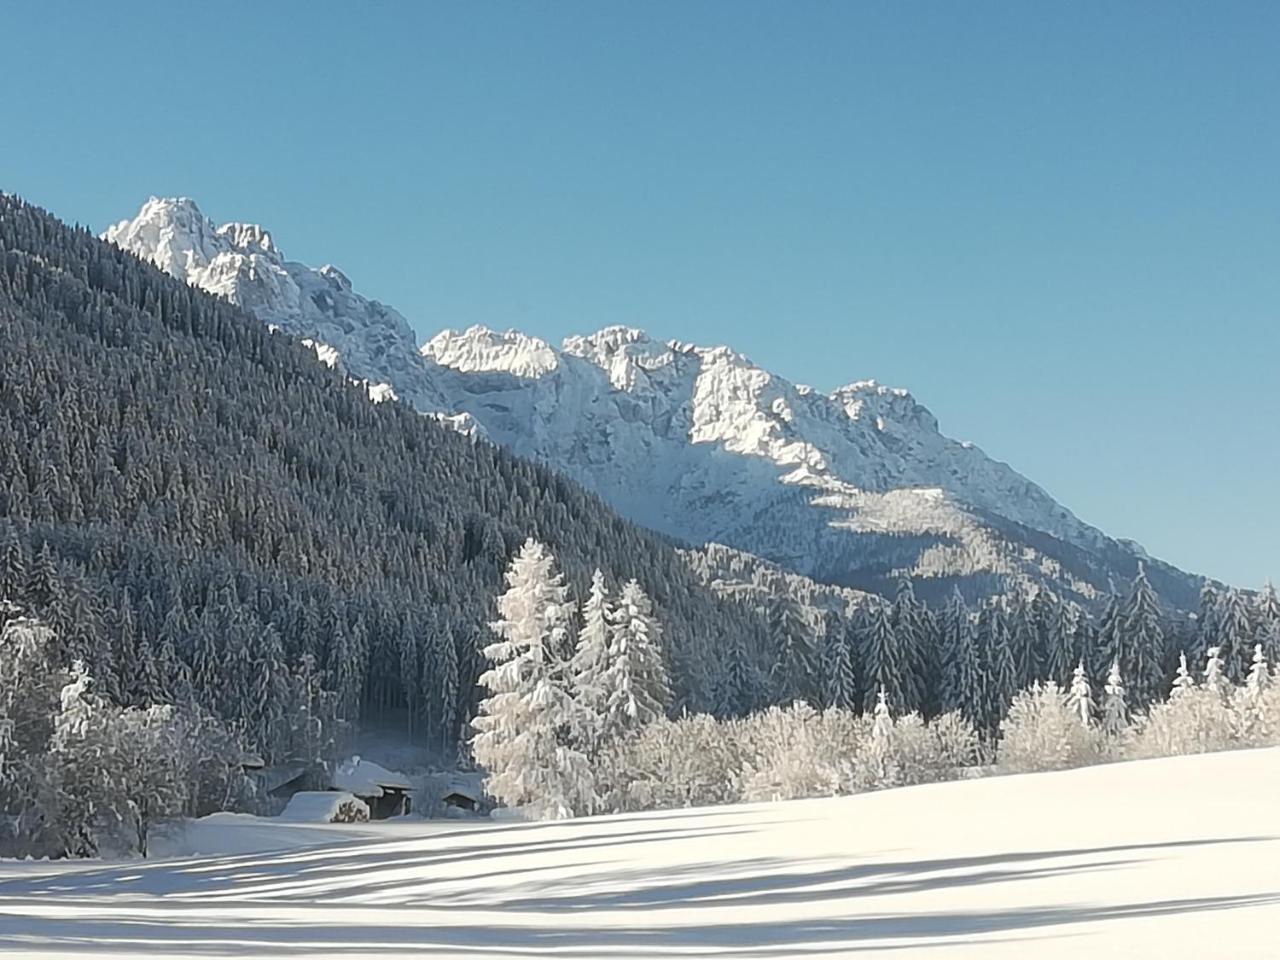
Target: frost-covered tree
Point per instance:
(1183, 681)
(1215, 678)
(1115, 708)
(881, 748)
(528, 720)
(591, 662)
(1062, 653)
(634, 681)
(998, 667)
(912, 633)
(1043, 732)
(1234, 635)
(842, 680)
(885, 660)
(1253, 702)
(1080, 697)
(794, 675)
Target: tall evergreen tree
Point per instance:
(635, 681)
(528, 716)
(885, 662)
(794, 675)
(1143, 665)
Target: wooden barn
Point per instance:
(387, 793)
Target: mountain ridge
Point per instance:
(854, 487)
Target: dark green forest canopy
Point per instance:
(196, 504)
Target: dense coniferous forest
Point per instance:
(201, 510)
(204, 514)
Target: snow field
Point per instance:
(1165, 858)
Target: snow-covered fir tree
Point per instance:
(1183, 681)
(528, 721)
(1115, 706)
(591, 661)
(1141, 625)
(637, 690)
(1080, 696)
(794, 675)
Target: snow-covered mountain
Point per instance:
(853, 487)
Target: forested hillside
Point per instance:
(201, 510)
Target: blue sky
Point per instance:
(1058, 224)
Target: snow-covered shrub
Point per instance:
(693, 761)
(788, 755)
(1046, 730)
(938, 750)
(1199, 720)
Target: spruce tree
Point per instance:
(635, 682)
(1080, 696)
(1115, 708)
(794, 675)
(591, 661)
(1143, 664)
(528, 716)
(1001, 673)
(884, 661)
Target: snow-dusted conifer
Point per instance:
(842, 683)
(1080, 696)
(591, 661)
(1183, 681)
(1143, 643)
(1215, 678)
(528, 715)
(794, 675)
(635, 681)
(884, 660)
(1115, 710)
(882, 740)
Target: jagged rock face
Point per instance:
(854, 487)
(241, 262)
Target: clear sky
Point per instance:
(1057, 223)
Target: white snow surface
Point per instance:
(320, 806)
(1175, 858)
(697, 442)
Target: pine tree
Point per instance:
(1206, 633)
(635, 681)
(591, 661)
(1061, 651)
(882, 749)
(1115, 710)
(1144, 643)
(884, 660)
(1215, 677)
(1107, 642)
(953, 624)
(1001, 673)
(529, 714)
(842, 687)
(1023, 643)
(795, 673)
(1183, 681)
(1267, 617)
(1080, 696)
(13, 566)
(1234, 635)
(909, 620)
(446, 693)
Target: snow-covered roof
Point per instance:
(318, 806)
(365, 778)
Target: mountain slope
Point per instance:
(194, 501)
(854, 487)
